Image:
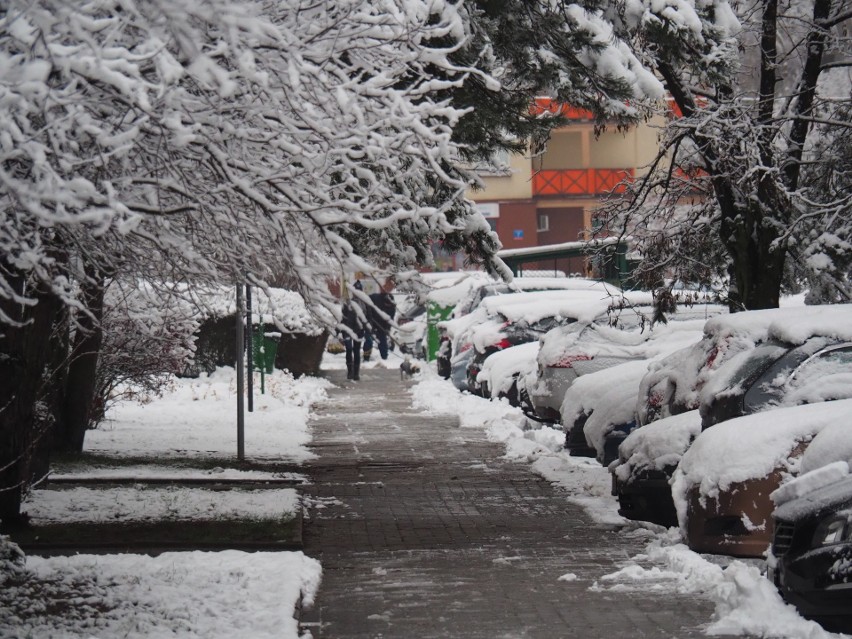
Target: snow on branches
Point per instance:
(204, 140)
(749, 186)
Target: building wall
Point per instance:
(516, 226)
(512, 207)
(568, 148)
(565, 224)
(514, 185)
(576, 147)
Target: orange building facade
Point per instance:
(550, 198)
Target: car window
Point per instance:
(547, 323)
(824, 376)
(772, 385)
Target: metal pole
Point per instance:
(250, 350)
(241, 344)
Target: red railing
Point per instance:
(547, 105)
(580, 181)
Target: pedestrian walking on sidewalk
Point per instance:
(380, 325)
(354, 320)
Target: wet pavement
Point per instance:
(424, 531)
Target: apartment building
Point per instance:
(550, 199)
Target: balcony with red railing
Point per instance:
(580, 182)
(549, 106)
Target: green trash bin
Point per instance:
(434, 313)
(263, 351)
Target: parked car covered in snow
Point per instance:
(479, 290)
(507, 320)
(566, 355)
(811, 555)
(500, 372)
(598, 409)
(673, 385)
(757, 361)
(722, 486)
(647, 459)
(812, 364)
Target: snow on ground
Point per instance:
(147, 472)
(145, 503)
(198, 417)
(747, 603)
(187, 594)
(193, 595)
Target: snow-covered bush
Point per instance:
(148, 336)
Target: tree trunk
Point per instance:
(81, 381)
(757, 267)
(24, 354)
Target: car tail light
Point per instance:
(503, 343)
(465, 347)
(568, 361)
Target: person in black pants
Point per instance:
(381, 326)
(352, 340)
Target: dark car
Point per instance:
(811, 562)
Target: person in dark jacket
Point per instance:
(381, 325)
(352, 340)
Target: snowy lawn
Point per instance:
(187, 594)
(197, 417)
(746, 601)
(189, 434)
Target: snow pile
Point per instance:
(451, 291)
(808, 483)
(198, 416)
(532, 307)
(832, 444)
(196, 595)
(747, 603)
(173, 474)
(439, 396)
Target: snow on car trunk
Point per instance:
(500, 369)
(657, 445)
(750, 447)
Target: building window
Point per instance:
(543, 222)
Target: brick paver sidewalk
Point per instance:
(424, 531)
